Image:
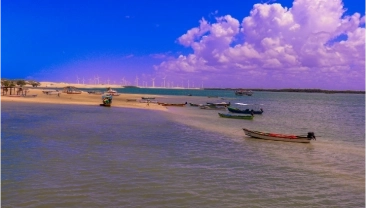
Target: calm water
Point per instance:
(86, 156)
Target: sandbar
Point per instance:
(82, 99)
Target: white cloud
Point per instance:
(305, 38)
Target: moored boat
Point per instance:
(194, 104)
(236, 116)
(220, 104)
(174, 104)
(280, 137)
(246, 111)
(211, 107)
(148, 98)
(244, 92)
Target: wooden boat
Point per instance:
(220, 104)
(174, 104)
(280, 137)
(237, 116)
(107, 100)
(246, 111)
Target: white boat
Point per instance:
(280, 137)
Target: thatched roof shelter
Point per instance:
(71, 90)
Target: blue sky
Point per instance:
(214, 43)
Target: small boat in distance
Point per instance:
(148, 98)
(107, 100)
(246, 111)
(220, 104)
(211, 107)
(237, 116)
(280, 137)
(241, 92)
(174, 104)
(194, 104)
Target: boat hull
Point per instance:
(193, 104)
(105, 105)
(174, 104)
(210, 107)
(245, 117)
(220, 104)
(246, 111)
(279, 137)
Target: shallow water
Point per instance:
(86, 156)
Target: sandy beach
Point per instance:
(81, 99)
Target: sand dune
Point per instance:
(64, 84)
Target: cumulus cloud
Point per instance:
(312, 42)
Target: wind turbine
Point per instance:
(164, 81)
(83, 80)
(97, 78)
(123, 81)
(153, 81)
(108, 81)
(137, 81)
(78, 80)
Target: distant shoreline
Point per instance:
(294, 90)
(61, 85)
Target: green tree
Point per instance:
(34, 83)
(21, 83)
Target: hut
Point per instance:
(71, 90)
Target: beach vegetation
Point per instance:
(34, 83)
(21, 83)
(7, 83)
